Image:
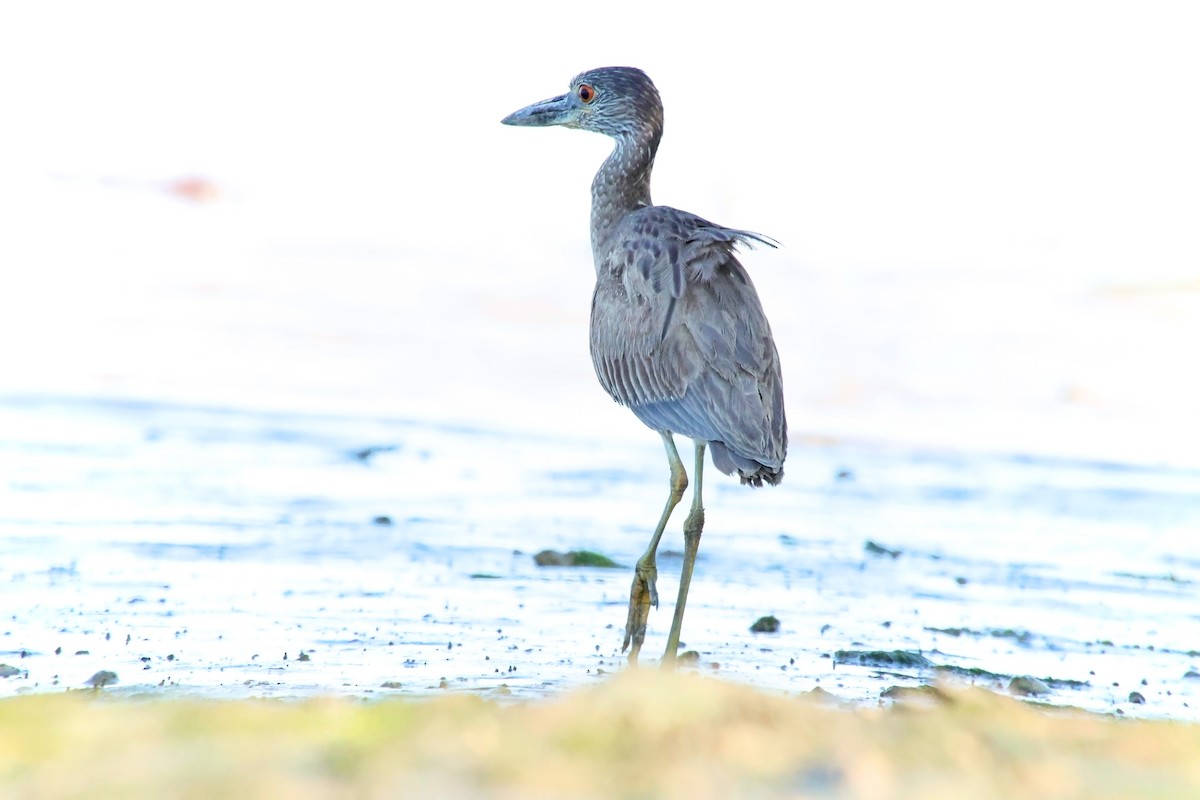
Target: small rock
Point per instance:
(1027, 686)
(382, 519)
(1191, 673)
(551, 558)
(768, 624)
(819, 695)
(303, 656)
(101, 679)
(688, 658)
(8, 671)
(391, 685)
(1137, 697)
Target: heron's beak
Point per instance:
(555, 111)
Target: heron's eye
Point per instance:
(586, 93)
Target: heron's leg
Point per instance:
(643, 594)
(692, 527)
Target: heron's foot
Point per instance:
(643, 595)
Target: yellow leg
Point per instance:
(643, 594)
(692, 528)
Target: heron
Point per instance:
(678, 333)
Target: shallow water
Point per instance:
(201, 551)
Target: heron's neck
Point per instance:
(622, 185)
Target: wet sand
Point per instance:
(217, 553)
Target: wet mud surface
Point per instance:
(228, 553)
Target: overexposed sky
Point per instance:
(862, 133)
(962, 190)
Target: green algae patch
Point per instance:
(885, 659)
(972, 673)
(980, 674)
(574, 558)
(876, 549)
(1021, 637)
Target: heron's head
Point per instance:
(616, 101)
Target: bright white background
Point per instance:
(989, 211)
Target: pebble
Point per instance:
(766, 624)
(101, 679)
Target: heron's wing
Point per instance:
(679, 335)
(661, 250)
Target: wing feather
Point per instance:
(682, 340)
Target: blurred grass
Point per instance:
(639, 734)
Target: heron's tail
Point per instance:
(751, 471)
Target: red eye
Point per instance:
(586, 93)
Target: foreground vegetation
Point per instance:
(639, 734)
